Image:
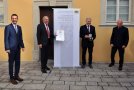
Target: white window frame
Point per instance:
(104, 21)
(117, 12)
(5, 13)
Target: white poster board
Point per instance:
(66, 52)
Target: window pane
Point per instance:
(124, 17)
(124, 9)
(111, 9)
(1, 15)
(111, 2)
(124, 2)
(111, 17)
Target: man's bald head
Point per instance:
(45, 19)
(88, 20)
(119, 22)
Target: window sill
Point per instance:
(3, 24)
(114, 24)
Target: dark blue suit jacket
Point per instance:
(12, 39)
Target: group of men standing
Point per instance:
(14, 43)
(119, 41)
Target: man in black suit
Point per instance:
(119, 41)
(44, 37)
(13, 44)
(88, 34)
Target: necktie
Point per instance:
(88, 28)
(47, 30)
(16, 29)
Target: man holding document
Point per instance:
(88, 34)
(44, 38)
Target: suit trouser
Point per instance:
(44, 55)
(90, 51)
(14, 58)
(121, 55)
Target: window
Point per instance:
(3, 12)
(117, 9)
(111, 10)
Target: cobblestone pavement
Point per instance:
(101, 77)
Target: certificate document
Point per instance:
(60, 35)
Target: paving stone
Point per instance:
(69, 83)
(130, 88)
(19, 85)
(77, 88)
(3, 85)
(102, 84)
(114, 84)
(81, 83)
(37, 81)
(125, 79)
(94, 88)
(70, 78)
(114, 88)
(34, 86)
(57, 87)
(90, 79)
(58, 82)
(108, 80)
(116, 73)
(92, 83)
(51, 78)
(48, 82)
(125, 84)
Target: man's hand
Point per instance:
(112, 45)
(123, 46)
(7, 51)
(86, 36)
(23, 49)
(40, 45)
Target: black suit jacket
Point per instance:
(84, 31)
(42, 36)
(120, 36)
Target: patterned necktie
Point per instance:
(47, 30)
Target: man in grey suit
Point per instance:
(13, 44)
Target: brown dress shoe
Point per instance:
(13, 81)
(19, 79)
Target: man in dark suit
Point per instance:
(44, 37)
(119, 41)
(88, 34)
(13, 43)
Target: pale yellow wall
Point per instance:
(24, 10)
(88, 8)
(102, 49)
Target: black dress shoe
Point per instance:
(13, 81)
(19, 79)
(90, 66)
(120, 68)
(43, 71)
(111, 64)
(47, 68)
(83, 66)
